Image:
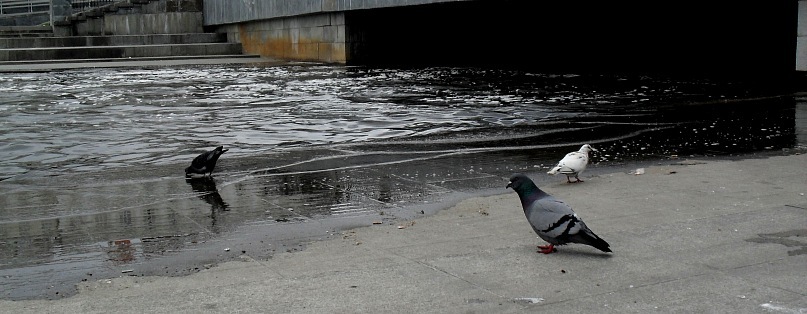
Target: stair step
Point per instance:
(139, 59)
(119, 52)
(36, 28)
(112, 40)
(137, 33)
(24, 31)
(25, 35)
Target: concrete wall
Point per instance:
(218, 12)
(737, 38)
(155, 17)
(141, 24)
(314, 37)
(303, 30)
(801, 38)
(160, 23)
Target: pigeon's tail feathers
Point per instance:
(554, 171)
(563, 170)
(601, 245)
(592, 239)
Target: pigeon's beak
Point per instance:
(224, 150)
(509, 185)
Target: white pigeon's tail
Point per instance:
(554, 171)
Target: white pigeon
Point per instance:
(573, 163)
(552, 219)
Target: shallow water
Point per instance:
(95, 119)
(92, 169)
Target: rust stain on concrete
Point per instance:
(282, 45)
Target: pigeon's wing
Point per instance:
(562, 166)
(555, 222)
(546, 212)
(200, 160)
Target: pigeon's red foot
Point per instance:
(546, 249)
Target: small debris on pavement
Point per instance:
(408, 224)
(529, 300)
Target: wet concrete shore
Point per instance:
(100, 224)
(687, 235)
(272, 231)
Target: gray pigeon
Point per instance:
(205, 162)
(552, 219)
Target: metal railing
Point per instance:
(23, 7)
(85, 5)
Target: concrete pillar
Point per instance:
(801, 120)
(801, 38)
(59, 10)
(314, 37)
(801, 66)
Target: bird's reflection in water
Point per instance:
(206, 189)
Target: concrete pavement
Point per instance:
(688, 236)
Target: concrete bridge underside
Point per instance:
(726, 38)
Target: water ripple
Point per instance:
(143, 116)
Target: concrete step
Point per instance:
(118, 40)
(44, 64)
(120, 52)
(25, 31)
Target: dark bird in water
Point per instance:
(205, 163)
(552, 219)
